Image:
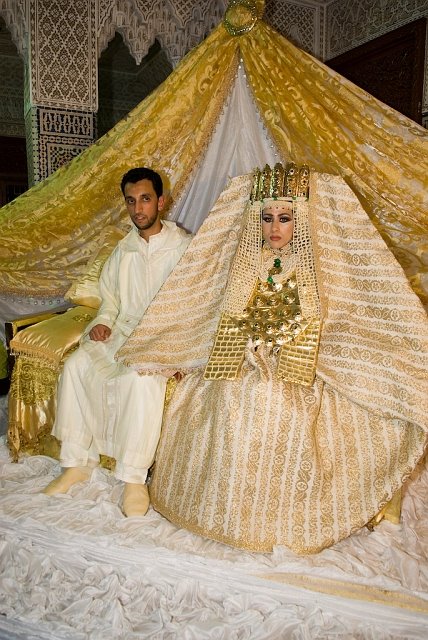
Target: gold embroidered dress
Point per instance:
(250, 458)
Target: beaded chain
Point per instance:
(276, 269)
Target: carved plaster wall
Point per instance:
(301, 21)
(63, 53)
(11, 86)
(62, 91)
(178, 25)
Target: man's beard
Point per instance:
(150, 222)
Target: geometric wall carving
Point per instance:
(63, 53)
(352, 23)
(65, 123)
(62, 73)
(301, 22)
(57, 136)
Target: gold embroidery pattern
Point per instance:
(33, 380)
(84, 317)
(372, 346)
(31, 407)
(246, 263)
(229, 460)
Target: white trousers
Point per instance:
(106, 408)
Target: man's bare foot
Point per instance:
(136, 499)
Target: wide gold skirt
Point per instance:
(256, 462)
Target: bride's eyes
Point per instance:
(282, 219)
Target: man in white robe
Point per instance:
(103, 406)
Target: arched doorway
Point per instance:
(122, 84)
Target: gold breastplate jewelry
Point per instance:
(273, 315)
(274, 318)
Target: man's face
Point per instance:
(144, 206)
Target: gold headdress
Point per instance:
(299, 342)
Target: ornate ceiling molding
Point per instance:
(13, 13)
(178, 25)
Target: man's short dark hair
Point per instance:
(143, 173)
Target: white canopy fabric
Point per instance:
(239, 144)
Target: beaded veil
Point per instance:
(284, 316)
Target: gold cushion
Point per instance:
(85, 290)
(51, 339)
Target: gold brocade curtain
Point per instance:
(318, 117)
(313, 114)
(48, 233)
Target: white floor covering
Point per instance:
(73, 567)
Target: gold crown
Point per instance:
(280, 182)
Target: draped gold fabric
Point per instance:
(49, 233)
(313, 114)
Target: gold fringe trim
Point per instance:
(43, 356)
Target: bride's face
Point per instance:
(277, 224)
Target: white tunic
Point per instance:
(103, 406)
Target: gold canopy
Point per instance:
(314, 115)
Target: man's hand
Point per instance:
(100, 332)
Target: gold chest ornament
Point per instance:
(273, 317)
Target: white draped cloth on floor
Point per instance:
(72, 567)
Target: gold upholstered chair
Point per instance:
(38, 347)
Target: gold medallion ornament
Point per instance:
(271, 299)
(241, 16)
